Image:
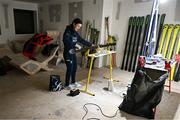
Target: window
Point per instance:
(24, 21)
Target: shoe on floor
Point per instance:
(76, 85)
(69, 87)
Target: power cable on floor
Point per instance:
(86, 110)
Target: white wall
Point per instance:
(90, 12)
(44, 16)
(9, 34)
(129, 8)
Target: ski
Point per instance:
(137, 26)
(174, 70)
(145, 34)
(130, 42)
(163, 36)
(172, 44)
(137, 44)
(88, 31)
(127, 41)
(87, 37)
(160, 31)
(177, 73)
(171, 27)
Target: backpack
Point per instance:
(48, 49)
(55, 83)
(2, 68)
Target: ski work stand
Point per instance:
(110, 81)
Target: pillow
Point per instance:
(17, 45)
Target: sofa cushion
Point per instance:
(16, 45)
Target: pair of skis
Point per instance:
(169, 45)
(169, 40)
(132, 43)
(92, 35)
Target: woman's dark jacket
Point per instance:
(70, 38)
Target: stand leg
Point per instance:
(111, 67)
(170, 80)
(110, 82)
(88, 80)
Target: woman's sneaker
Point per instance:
(69, 87)
(76, 85)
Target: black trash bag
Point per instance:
(55, 83)
(143, 95)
